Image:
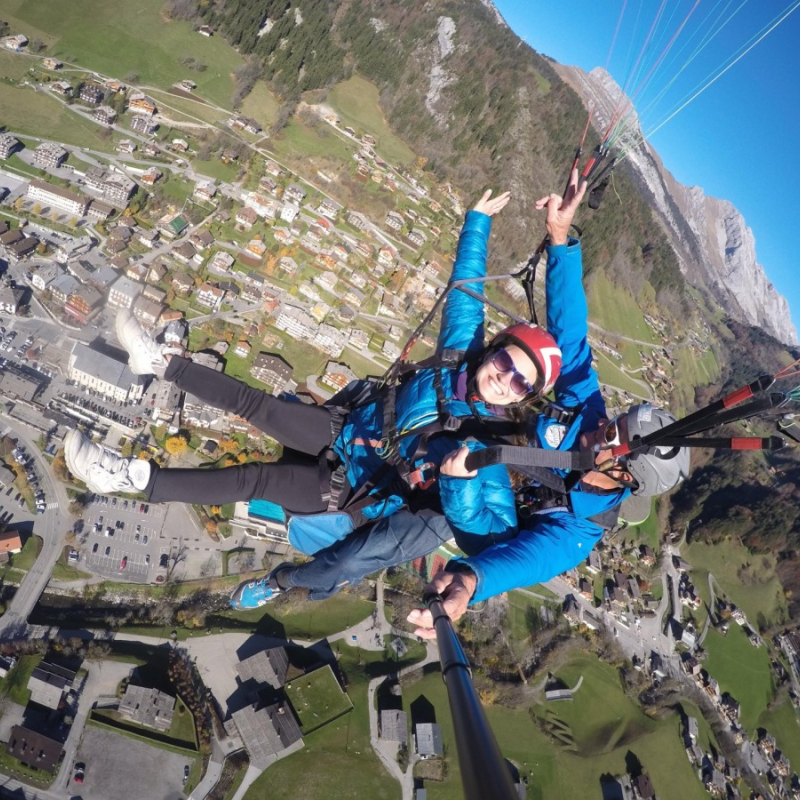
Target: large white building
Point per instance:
(47, 193)
(296, 322)
(104, 374)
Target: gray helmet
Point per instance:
(655, 469)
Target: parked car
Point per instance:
(95, 546)
(147, 560)
(164, 560)
(144, 539)
(124, 562)
(108, 551)
(109, 531)
(185, 774)
(80, 772)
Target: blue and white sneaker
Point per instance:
(254, 594)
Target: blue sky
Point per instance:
(739, 139)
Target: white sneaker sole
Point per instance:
(137, 364)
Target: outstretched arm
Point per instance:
(567, 311)
(556, 543)
(462, 318)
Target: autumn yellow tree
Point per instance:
(175, 445)
(242, 457)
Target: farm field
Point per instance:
(606, 722)
(118, 39)
(356, 101)
(742, 670)
(614, 309)
(762, 595)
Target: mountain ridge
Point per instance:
(721, 244)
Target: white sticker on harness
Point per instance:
(554, 434)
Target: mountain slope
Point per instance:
(710, 236)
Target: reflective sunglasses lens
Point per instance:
(503, 361)
(519, 385)
(611, 432)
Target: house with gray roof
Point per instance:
(394, 726)
(10, 299)
(48, 682)
(428, 740)
(123, 293)
(268, 732)
(62, 287)
(268, 666)
(147, 707)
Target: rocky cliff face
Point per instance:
(711, 238)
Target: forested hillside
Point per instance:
(480, 108)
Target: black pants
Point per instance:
(294, 482)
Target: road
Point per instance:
(51, 526)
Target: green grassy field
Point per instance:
(356, 101)
(615, 310)
(602, 719)
(116, 39)
(764, 595)
(611, 375)
(317, 699)
(311, 621)
(742, 670)
(337, 762)
(66, 572)
(691, 371)
(214, 168)
(300, 141)
(261, 105)
(37, 114)
(182, 727)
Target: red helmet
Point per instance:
(540, 346)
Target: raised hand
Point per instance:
(491, 205)
(561, 210)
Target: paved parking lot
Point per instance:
(127, 769)
(135, 536)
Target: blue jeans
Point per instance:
(393, 540)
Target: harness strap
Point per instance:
(543, 498)
(580, 460)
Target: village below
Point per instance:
(298, 255)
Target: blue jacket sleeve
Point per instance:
(555, 543)
(480, 505)
(462, 318)
(567, 322)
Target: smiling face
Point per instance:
(494, 386)
(610, 478)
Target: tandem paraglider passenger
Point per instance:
(346, 468)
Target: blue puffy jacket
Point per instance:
(557, 539)
(488, 506)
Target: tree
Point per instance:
(175, 445)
